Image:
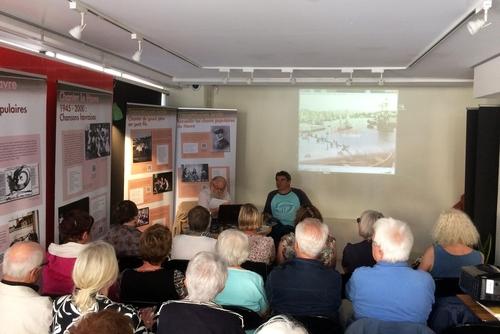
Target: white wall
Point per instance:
(430, 157)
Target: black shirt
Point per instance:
(357, 255)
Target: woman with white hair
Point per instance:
(454, 236)
(244, 288)
(197, 313)
(95, 271)
(360, 254)
(281, 324)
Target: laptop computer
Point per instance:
(228, 214)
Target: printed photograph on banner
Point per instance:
(97, 140)
(24, 228)
(18, 182)
(195, 173)
(162, 182)
(141, 145)
(143, 217)
(220, 138)
(82, 204)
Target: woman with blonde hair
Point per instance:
(454, 236)
(95, 270)
(261, 248)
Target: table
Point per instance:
(477, 309)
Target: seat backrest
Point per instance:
(374, 326)
(251, 319)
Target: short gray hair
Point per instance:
(206, 276)
(232, 246)
(21, 258)
(311, 235)
(394, 238)
(368, 218)
(281, 324)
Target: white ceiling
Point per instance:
(264, 33)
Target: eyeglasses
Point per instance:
(358, 220)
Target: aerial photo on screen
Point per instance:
(348, 131)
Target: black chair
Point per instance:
(257, 267)
(180, 265)
(319, 324)
(447, 286)
(129, 262)
(251, 319)
(483, 328)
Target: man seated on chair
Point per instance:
(391, 290)
(211, 198)
(303, 286)
(185, 246)
(22, 310)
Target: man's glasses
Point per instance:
(358, 220)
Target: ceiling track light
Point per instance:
(250, 76)
(475, 25)
(137, 55)
(348, 82)
(77, 30)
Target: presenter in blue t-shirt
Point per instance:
(282, 205)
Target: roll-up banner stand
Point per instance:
(22, 159)
(206, 147)
(149, 162)
(83, 155)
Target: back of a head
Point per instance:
(368, 218)
(455, 227)
(311, 235)
(394, 238)
(206, 276)
(232, 246)
(198, 219)
(281, 324)
(249, 218)
(307, 211)
(103, 322)
(95, 268)
(155, 244)
(74, 224)
(124, 212)
(285, 174)
(21, 258)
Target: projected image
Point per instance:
(348, 131)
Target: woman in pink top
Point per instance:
(261, 247)
(74, 230)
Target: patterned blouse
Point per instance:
(124, 239)
(65, 313)
(261, 249)
(328, 255)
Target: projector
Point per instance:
(481, 282)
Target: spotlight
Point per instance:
(76, 31)
(226, 70)
(250, 75)
(137, 55)
(348, 82)
(476, 25)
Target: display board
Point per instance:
(206, 147)
(22, 160)
(149, 162)
(83, 154)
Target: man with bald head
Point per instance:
(22, 310)
(303, 286)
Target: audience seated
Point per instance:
(186, 246)
(262, 248)
(150, 282)
(391, 290)
(95, 270)
(286, 250)
(22, 310)
(123, 234)
(74, 230)
(281, 324)
(304, 285)
(198, 314)
(243, 288)
(360, 254)
(454, 236)
(103, 322)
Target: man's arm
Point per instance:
(267, 206)
(303, 199)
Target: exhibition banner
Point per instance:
(22, 159)
(206, 147)
(149, 162)
(83, 154)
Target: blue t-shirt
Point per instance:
(243, 288)
(284, 207)
(391, 292)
